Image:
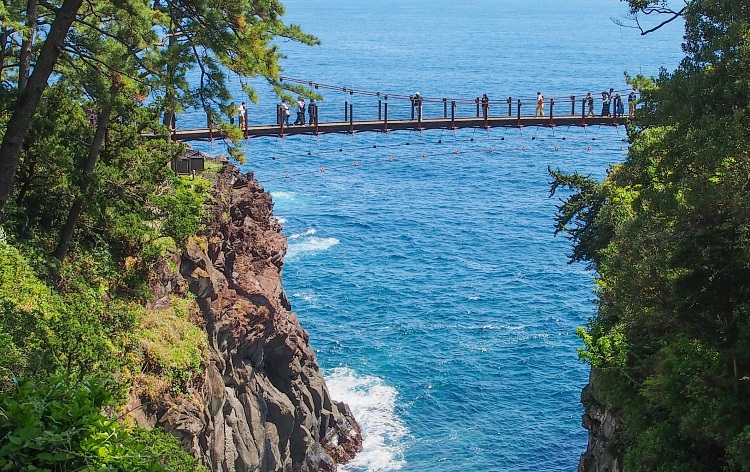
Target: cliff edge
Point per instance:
(601, 452)
(262, 404)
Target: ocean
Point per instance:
(440, 304)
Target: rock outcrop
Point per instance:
(262, 404)
(601, 453)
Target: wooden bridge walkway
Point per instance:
(398, 125)
(420, 120)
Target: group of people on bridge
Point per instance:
(283, 112)
(612, 104)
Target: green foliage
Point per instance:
(181, 207)
(54, 425)
(70, 334)
(174, 349)
(668, 233)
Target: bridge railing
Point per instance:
(364, 106)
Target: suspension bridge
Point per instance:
(426, 113)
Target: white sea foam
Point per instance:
(307, 243)
(283, 196)
(307, 296)
(281, 220)
(309, 232)
(373, 404)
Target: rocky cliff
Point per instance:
(601, 453)
(262, 404)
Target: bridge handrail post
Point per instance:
(510, 110)
(419, 115)
(412, 107)
(315, 119)
(281, 120)
(210, 124)
(453, 114)
(551, 115)
(572, 105)
(385, 116)
(380, 109)
(477, 102)
(245, 122)
(518, 123)
(583, 111)
(346, 111)
(445, 108)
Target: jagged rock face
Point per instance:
(601, 454)
(264, 405)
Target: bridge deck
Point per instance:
(393, 125)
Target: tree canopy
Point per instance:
(668, 233)
(88, 208)
(142, 48)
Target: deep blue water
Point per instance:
(439, 303)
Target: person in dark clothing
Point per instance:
(619, 108)
(590, 101)
(312, 110)
(605, 104)
(632, 99)
(300, 112)
(417, 101)
(485, 105)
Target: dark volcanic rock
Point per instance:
(263, 405)
(601, 453)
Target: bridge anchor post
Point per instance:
(385, 121)
(453, 114)
(551, 114)
(351, 118)
(518, 120)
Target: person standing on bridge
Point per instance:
(632, 99)
(605, 103)
(418, 105)
(485, 106)
(590, 100)
(285, 112)
(312, 110)
(300, 112)
(619, 108)
(539, 104)
(243, 115)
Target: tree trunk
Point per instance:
(28, 101)
(26, 181)
(3, 46)
(24, 66)
(66, 235)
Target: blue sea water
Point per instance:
(440, 305)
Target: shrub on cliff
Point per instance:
(56, 425)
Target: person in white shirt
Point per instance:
(242, 112)
(300, 112)
(285, 111)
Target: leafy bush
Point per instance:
(56, 425)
